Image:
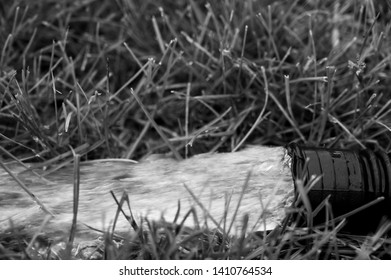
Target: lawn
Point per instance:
(127, 79)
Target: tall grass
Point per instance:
(126, 79)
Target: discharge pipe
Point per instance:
(350, 179)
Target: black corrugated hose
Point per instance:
(350, 179)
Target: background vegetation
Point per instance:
(128, 78)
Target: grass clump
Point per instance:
(126, 79)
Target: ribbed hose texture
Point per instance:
(349, 179)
